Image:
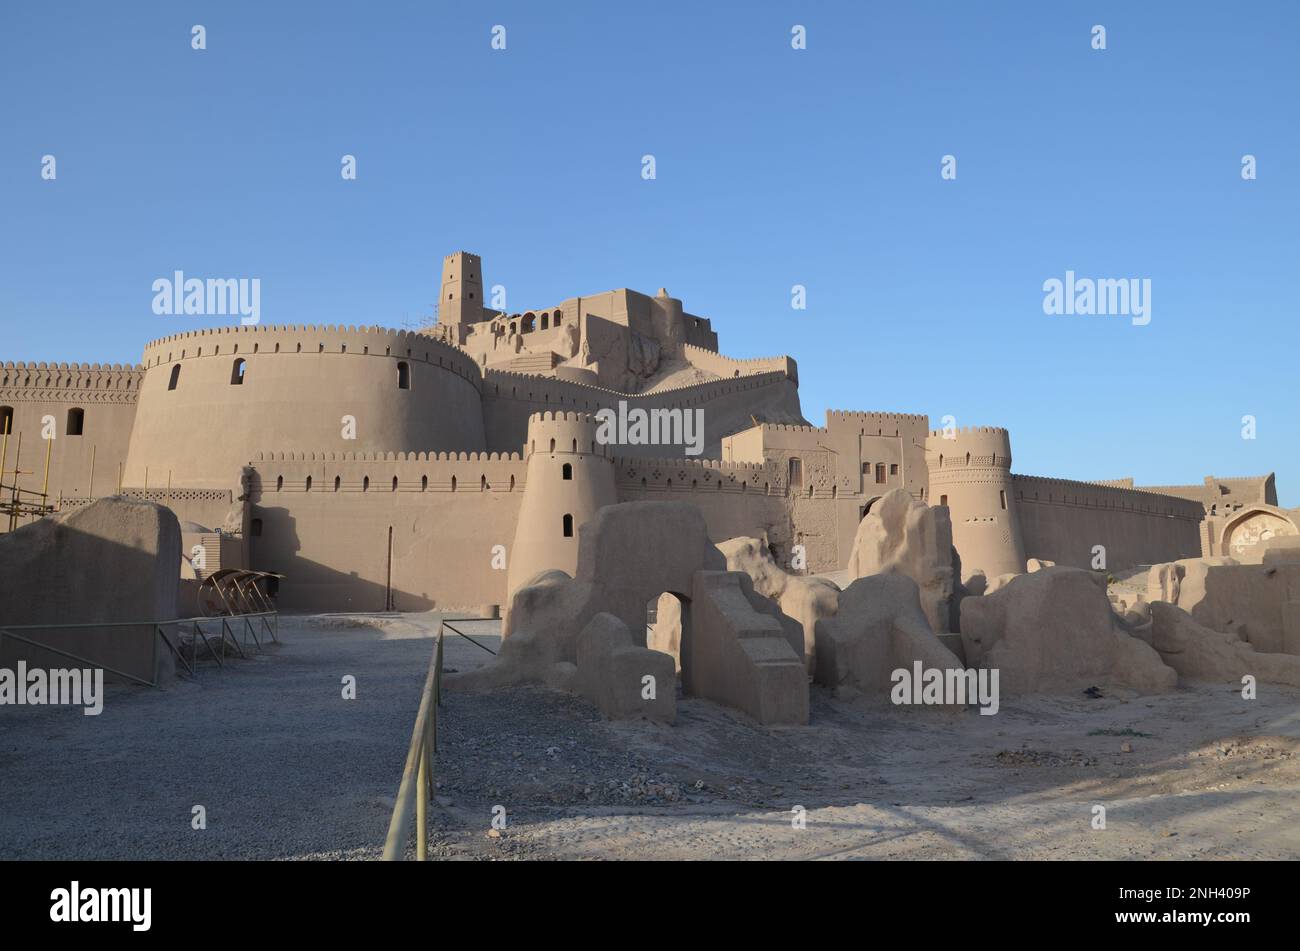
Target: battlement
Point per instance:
(292, 456)
(1045, 489)
(965, 431)
(508, 384)
(100, 367)
(1239, 480)
(306, 338)
(564, 432)
(382, 473)
(724, 366)
(671, 462)
(849, 415)
(791, 428)
(89, 380)
(562, 416)
(971, 447)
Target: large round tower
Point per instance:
(211, 399)
(570, 476)
(970, 472)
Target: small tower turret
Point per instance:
(570, 476)
(970, 472)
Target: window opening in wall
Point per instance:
(76, 421)
(237, 372)
(567, 472)
(568, 526)
(175, 377)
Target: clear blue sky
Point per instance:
(775, 167)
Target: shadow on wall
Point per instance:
(310, 587)
(113, 560)
(1252, 600)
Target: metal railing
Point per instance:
(269, 624)
(417, 774)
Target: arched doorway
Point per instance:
(1247, 535)
(667, 616)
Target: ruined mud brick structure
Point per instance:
(382, 468)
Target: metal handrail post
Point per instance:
(409, 789)
(84, 660)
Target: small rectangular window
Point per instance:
(893, 468)
(1002, 497)
(880, 473)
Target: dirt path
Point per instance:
(287, 769)
(1205, 774)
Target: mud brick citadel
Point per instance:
(383, 469)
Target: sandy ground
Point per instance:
(288, 769)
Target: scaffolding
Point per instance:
(17, 503)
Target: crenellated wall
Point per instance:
(714, 362)
(307, 388)
(1062, 520)
(330, 537)
(105, 395)
(510, 398)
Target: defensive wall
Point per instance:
(91, 407)
(375, 531)
(1062, 520)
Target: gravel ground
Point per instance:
(284, 767)
(289, 770)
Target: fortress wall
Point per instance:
(1061, 520)
(510, 398)
(1223, 493)
(105, 393)
(871, 439)
(745, 499)
(206, 507)
(333, 544)
(714, 362)
(299, 384)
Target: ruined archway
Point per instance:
(668, 616)
(1246, 536)
(865, 510)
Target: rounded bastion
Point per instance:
(570, 477)
(210, 399)
(970, 473)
